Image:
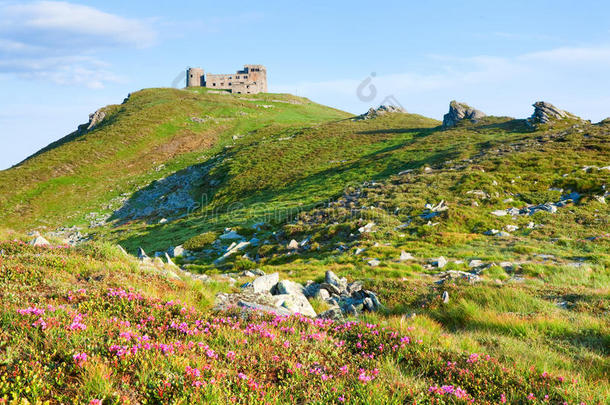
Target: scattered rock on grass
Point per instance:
(439, 262)
(39, 241)
(404, 256)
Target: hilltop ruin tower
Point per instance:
(251, 80)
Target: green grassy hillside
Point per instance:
(488, 245)
(155, 132)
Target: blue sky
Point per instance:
(60, 61)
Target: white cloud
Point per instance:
(63, 20)
(574, 78)
(46, 40)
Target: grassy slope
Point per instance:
(89, 323)
(152, 128)
(282, 172)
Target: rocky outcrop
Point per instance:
(169, 197)
(95, 118)
(546, 112)
(459, 112)
(269, 294)
(381, 110)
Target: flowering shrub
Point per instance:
(112, 344)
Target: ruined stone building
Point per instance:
(251, 80)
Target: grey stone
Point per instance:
(175, 251)
(440, 207)
(265, 283)
(374, 298)
(354, 287)
(322, 294)
(546, 112)
(95, 118)
(169, 197)
(439, 262)
(332, 278)
(368, 304)
(404, 256)
(445, 297)
(507, 265)
(459, 112)
(296, 304)
(142, 254)
(170, 261)
(350, 310)
(381, 110)
(373, 262)
(333, 313)
(232, 249)
(264, 308)
(230, 234)
(288, 287)
(331, 288)
(311, 289)
(39, 241)
(475, 263)
(258, 272)
(455, 274)
(366, 228)
(293, 245)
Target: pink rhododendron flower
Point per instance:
(79, 359)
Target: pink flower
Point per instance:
(231, 355)
(503, 399)
(40, 322)
(242, 376)
(531, 396)
(364, 378)
(341, 398)
(343, 370)
(95, 402)
(79, 359)
(473, 358)
(192, 372)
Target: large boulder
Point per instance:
(289, 287)
(546, 112)
(265, 283)
(296, 304)
(459, 112)
(381, 110)
(264, 308)
(332, 279)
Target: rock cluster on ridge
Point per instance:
(546, 112)
(381, 110)
(459, 112)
